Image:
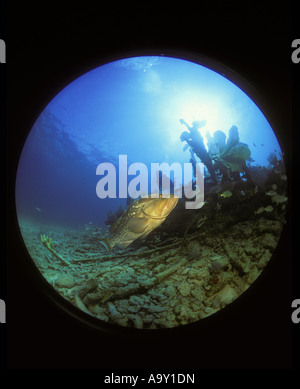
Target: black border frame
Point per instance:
(264, 64)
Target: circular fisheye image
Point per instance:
(151, 192)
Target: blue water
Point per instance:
(130, 107)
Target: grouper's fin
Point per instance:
(107, 244)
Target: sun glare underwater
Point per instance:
(138, 261)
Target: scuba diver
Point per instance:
(195, 140)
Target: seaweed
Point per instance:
(226, 159)
(112, 216)
(230, 160)
(47, 242)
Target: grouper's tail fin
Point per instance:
(107, 244)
